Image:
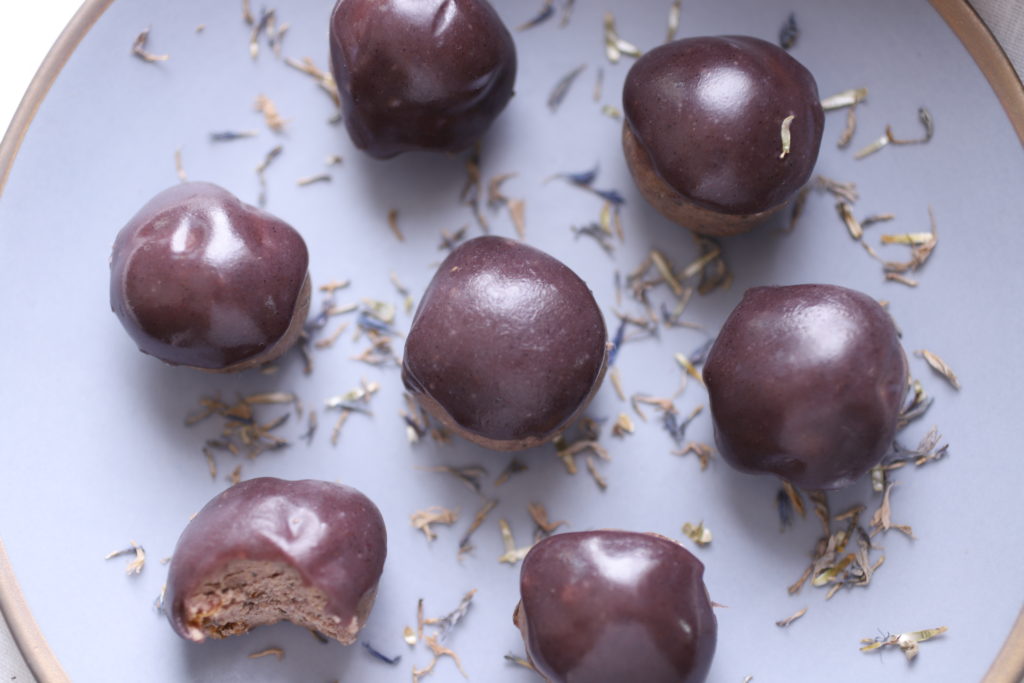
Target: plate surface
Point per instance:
(97, 454)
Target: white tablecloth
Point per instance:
(39, 23)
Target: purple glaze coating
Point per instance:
(709, 111)
(198, 278)
(507, 339)
(420, 74)
(806, 382)
(333, 535)
(613, 606)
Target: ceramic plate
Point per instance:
(97, 454)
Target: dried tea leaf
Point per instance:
(902, 279)
(662, 264)
(689, 367)
(783, 623)
(271, 116)
(929, 130)
(940, 366)
(845, 191)
(615, 45)
(907, 642)
(703, 451)
(138, 559)
(795, 499)
(851, 127)
(211, 462)
(512, 554)
(472, 475)
(876, 218)
(422, 519)
(872, 147)
(562, 87)
(881, 520)
(324, 79)
(440, 650)
(517, 212)
(786, 135)
(472, 189)
(393, 224)
(261, 170)
(449, 621)
(853, 226)
(310, 179)
(179, 166)
(568, 451)
(847, 98)
(674, 11)
(139, 49)
(611, 112)
(539, 514)
(699, 534)
(257, 28)
(567, 6)
(451, 240)
(514, 467)
(623, 425)
(478, 519)
(798, 207)
(601, 482)
(520, 661)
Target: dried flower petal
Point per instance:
(786, 135)
(271, 116)
(512, 554)
(852, 225)
(699, 534)
(940, 366)
(783, 623)
(139, 49)
(422, 519)
(615, 46)
(562, 87)
(789, 32)
(872, 147)
(138, 560)
(907, 642)
(847, 98)
(929, 130)
(674, 10)
(545, 13)
(478, 519)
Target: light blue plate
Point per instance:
(95, 452)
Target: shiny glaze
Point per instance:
(709, 111)
(420, 74)
(333, 535)
(507, 340)
(198, 278)
(614, 606)
(806, 382)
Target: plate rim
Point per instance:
(959, 15)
